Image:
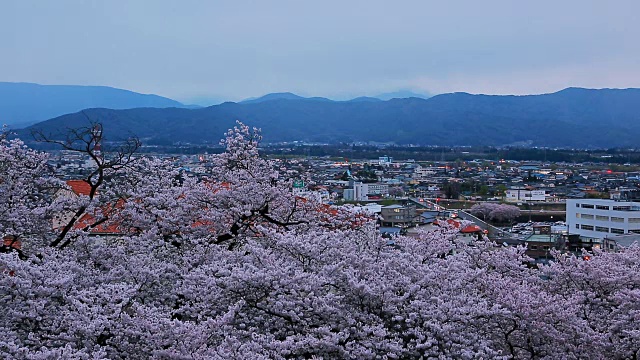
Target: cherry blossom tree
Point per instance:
(504, 213)
(88, 141)
(495, 212)
(483, 210)
(26, 189)
(235, 266)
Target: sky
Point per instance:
(231, 50)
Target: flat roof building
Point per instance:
(600, 218)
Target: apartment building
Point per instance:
(601, 218)
(420, 172)
(378, 189)
(361, 192)
(524, 195)
(358, 192)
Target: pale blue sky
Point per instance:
(237, 49)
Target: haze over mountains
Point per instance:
(23, 104)
(26, 103)
(401, 94)
(573, 117)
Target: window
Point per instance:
(587, 206)
(617, 219)
(577, 226)
(396, 210)
(588, 227)
(577, 205)
(621, 208)
(634, 220)
(586, 216)
(534, 247)
(602, 229)
(546, 247)
(602, 207)
(617, 231)
(578, 215)
(602, 218)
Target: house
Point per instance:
(103, 227)
(398, 215)
(618, 242)
(469, 231)
(542, 241)
(76, 189)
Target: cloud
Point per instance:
(245, 48)
(604, 74)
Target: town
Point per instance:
(563, 206)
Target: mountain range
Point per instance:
(23, 104)
(573, 117)
(27, 103)
(401, 94)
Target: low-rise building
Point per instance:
(377, 189)
(524, 195)
(599, 218)
(398, 215)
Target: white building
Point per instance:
(423, 172)
(378, 189)
(371, 208)
(599, 218)
(524, 195)
(347, 195)
(385, 160)
(361, 192)
(358, 192)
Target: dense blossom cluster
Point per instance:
(236, 267)
(501, 213)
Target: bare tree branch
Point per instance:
(88, 140)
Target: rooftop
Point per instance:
(79, 187)
(625, 240)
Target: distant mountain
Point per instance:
(281, 96)
(402, 94)
(24, 103)
(573, 117)
(365, 98)
(202, 101)
(273, 96)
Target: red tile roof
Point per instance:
(451, 222)
(11, 242)
(108, 227)
(469, 229)
(79, 187)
